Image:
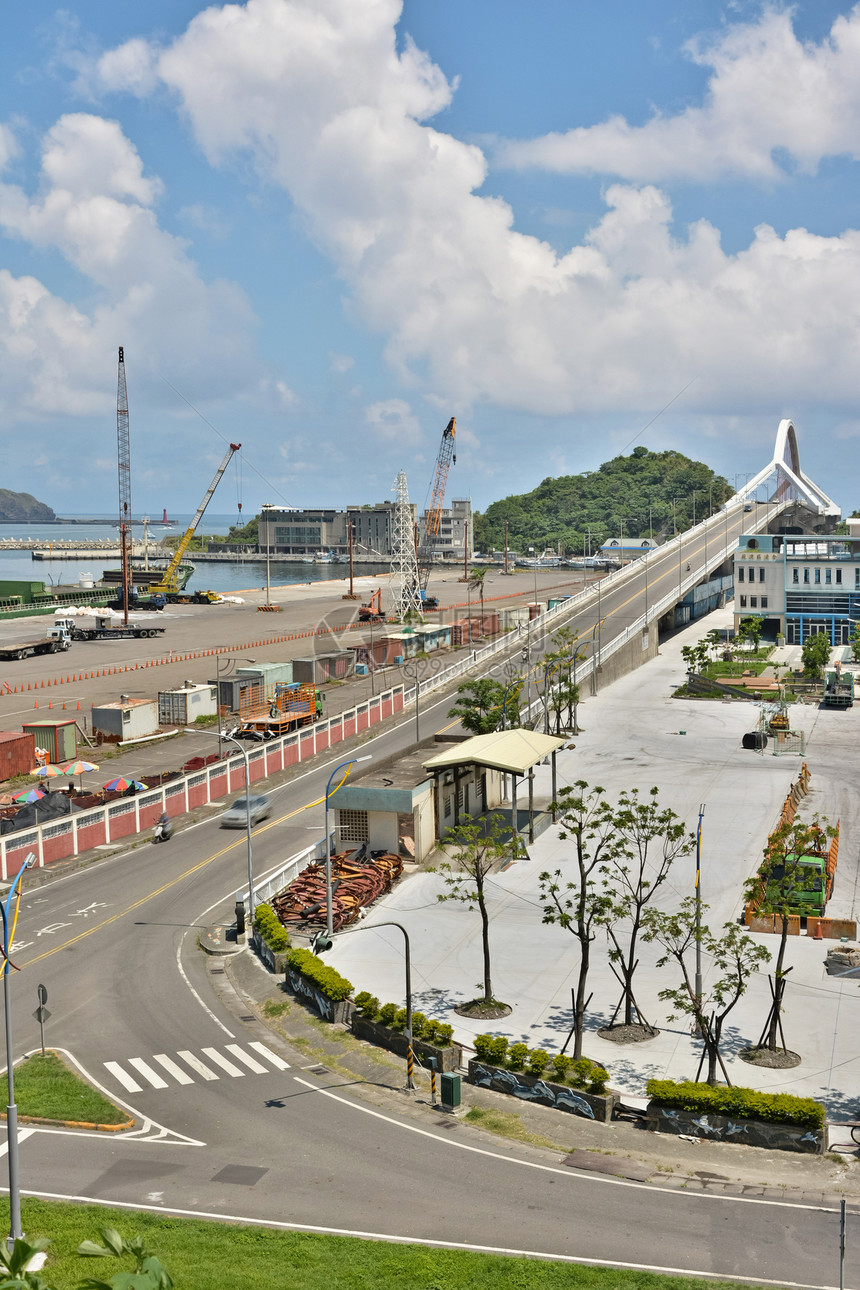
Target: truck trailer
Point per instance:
(104, 628)
(292, 706)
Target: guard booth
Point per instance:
(58, 736)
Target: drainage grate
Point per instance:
(248, 1017)
(217, 972)
(318, 1070)
(244, 1175)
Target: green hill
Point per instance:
(622, 491)
(22, 508)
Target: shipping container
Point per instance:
(58, 736)
(125, 719)
(17, 754)
(183, 707)
(236, 692)
(271, 674)
(319, 668)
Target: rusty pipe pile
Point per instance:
(356, 882)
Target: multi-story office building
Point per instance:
(326, 529)
(799, 584)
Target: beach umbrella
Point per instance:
(79, 768)
(27, 795)
(120, 785)
(45, 772)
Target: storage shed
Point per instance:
(125, 719)
(182, 707)
(389, 807)
(320, 668)
(17, 754)
(57, 735)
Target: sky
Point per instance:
(323, 227)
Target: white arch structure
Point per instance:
(791, 483)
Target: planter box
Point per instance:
(591, 1106)
(447, 1059)
(310, 993)
(275, 960)
(724, 1128)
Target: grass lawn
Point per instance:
(214, 1256)
(47, 1088)
(737, 667)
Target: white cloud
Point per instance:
(94, 205)
(767, 91)
(130, 67)
(340, 363)
(315, 92)
(392, 421)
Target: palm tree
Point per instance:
(476, 581)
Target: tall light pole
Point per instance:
(698, 981)
(15, 1233)
(328, 920)
(252, 895)
(230, 665)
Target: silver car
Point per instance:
(236, 816)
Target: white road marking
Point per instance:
(250, 1062)
(219, 1060)
(277, 1062)
(172, 1069)
(144, 1069)
(196, 1064)
(118, 1073)
(22, 1135)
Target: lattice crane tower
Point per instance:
(405, 588)
(123, 456)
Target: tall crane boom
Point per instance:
(168, 580)
(123, 458)
(433, 514)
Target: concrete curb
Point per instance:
(72, 1124)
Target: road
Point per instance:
(232, 1124)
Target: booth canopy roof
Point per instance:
(514, 751)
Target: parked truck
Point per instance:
(104, 628)
(58, 638)
(806, 889)
(839, 689)
(292, 706)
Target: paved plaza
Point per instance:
(635, 735)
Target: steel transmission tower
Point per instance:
(405, 589)
(123, 457)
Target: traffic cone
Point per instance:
(79, 705)
(818, 936)
(36, 704)
(50, 705)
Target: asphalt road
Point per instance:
(260, 1137)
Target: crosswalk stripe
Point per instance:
(219, 1060)
(147, 1072)
(250, 1062)
(278, 1062)
(196, 1064)
(127, 1082)
(172, 1069)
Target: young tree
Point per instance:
(777, 889)
(577, 905)
(476, 582)
(734, 958)
(648, 839)
(695, 656)
(815, 654)
(481, 705)
(751, 629)
(562, 690)
(854, 642)
(476, 847)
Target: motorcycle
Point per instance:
(162, 832)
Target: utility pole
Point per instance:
(466, 552)
(123, 458)
(506, 546)
(698, 982)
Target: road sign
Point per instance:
(43, 994)
(42, 1014)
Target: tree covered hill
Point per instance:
(622, 490)
(22, 508)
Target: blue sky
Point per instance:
(332, 224)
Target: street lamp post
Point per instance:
(15, 1233)
(228, 669)
(410, 1057)
(328, 920)
(252, 895)
(698, 981)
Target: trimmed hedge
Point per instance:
(328, 981)
(773, 1108)
(584, 1073)
(270, 929)
(437, 1033)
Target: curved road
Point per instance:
(237, 1127)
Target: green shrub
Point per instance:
(517, 1056)
(444, 1034)
(560, 1066)
(419, 1025)
(538, 1059)
(598, 1081)
(430, 1030)
(498, 1050)
(775, 1108)
(368, 1005)
(328, 981)
(269, 928)
(483, 1047)
(387, 1013)
(399, 1022)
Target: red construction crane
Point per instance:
(433, 514)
